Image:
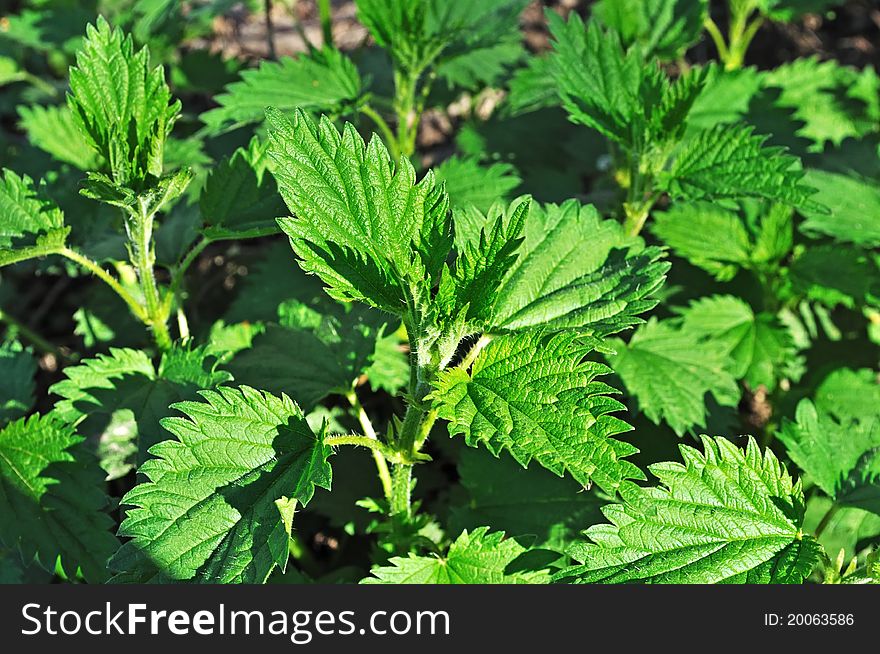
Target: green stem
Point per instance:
(635, 216)
(108, 279)
(181, 268)
(717, 39)
(143, 258)
(401, 489)
(379, 456)
(387, 133)
(326, 16)
(826, 520)
(740, 35)
(33, 337)
(364, 441)
(408, 115)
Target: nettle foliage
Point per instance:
(314, 358)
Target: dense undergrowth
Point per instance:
(259, 327)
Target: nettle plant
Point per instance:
(423, 385)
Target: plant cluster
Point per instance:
(256, 332)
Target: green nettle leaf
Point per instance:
(53, 130)
(239, 199)
(614, 91)
(388, 367)
(760, 348)
(854, 206)
(837, 275)
(531, 502)
(316, 350)
(478, 557)
(532, 87)
(117, 399)
(219, 499)
(726, 96)
(17, 387)
(471, 44)
(841, 453)
(482, 264)
(121, 104)
(51, 502)
(362, 224)
(470, 183)
(847, 394)
(321, 80)
(721, 241)
(25, 210)
(669, 370)
(725, 515)
(575, 270)
(731, 161)
(665, 28)
(534, 395)
(829, 102)
(711, 237)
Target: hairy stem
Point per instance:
(143, 258)
(401, 487)
(377, 447)
(378, 456)
(407, 110)
(93, 267)
(387, 133)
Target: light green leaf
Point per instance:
(726, 96)
(117, 399)
(535, 396)
(854, 205)
(53, 130)
(470, 44)
(25, 209)
(209, 510)
(362, 224)
(669, 371)
(51, 501)
(121, 105)
(321, 81)
(841, 454)
(575, 270)
(615, 91)
(847, 394)
(532, 87)
(32, 225)
(729, 161)
(761, 349)
(709, 236)
(664, 28)
(828, 101)
(478, 557)
(724, 516)
(482, 264)
(468, 182)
